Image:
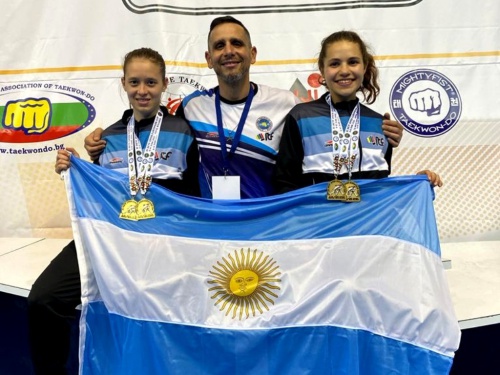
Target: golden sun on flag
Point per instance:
(244, 283)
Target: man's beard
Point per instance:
(233, 78)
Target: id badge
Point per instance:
(226, 187)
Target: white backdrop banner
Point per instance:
(61, 63)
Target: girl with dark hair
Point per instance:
(336, 137)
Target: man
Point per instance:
(238, 124)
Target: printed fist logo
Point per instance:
(32, 112)
(428, 101)
(425, 102)
(32, 116)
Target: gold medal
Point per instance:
(335, 191)
(352, 192)
(145, 209)
(129, 210)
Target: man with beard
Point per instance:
(238, 124)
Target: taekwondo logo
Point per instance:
(265, 125)
(178, 87)
(426, 103)
(244, 283)
(374, 140)
(43, 111)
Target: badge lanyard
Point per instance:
(140, 166)
(239, 129)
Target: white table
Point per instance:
(474, 281)
(11, 244)
(25, 261)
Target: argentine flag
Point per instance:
(290, 284)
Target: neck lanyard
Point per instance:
(239, 129)
(345, 143)
(140, 164)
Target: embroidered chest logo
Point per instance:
(265, 125)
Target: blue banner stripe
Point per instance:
(385, 205)
(291, 350)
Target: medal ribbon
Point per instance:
(344, 143)
(239, 129)
(141, 165)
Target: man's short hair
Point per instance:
(227, 19)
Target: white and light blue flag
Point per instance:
(290, 284)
